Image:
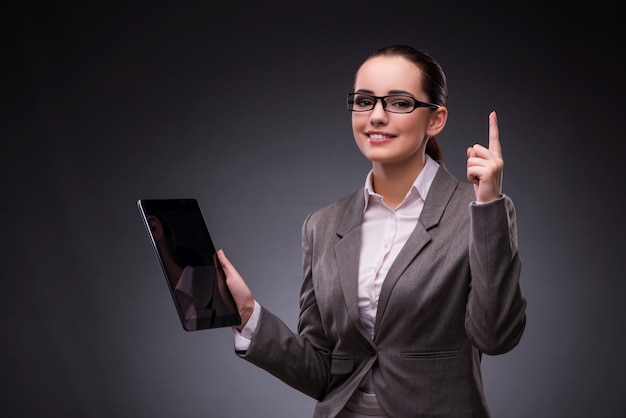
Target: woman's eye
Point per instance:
(401, 103)
(363, 101)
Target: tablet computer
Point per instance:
(185, 251)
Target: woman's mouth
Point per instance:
(376, 138)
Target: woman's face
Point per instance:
(385, 137)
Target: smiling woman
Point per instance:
(395, 141)
(407, 281)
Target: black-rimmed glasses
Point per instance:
(395, 103)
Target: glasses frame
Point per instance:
(416, 103)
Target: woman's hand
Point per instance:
(485, 165)
(239, 289)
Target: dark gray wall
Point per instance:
(242, 107)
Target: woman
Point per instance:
(408, 280)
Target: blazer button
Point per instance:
(370, 350)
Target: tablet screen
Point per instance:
(188, 259)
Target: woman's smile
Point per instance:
(377, 137)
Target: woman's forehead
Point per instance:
(384, 73)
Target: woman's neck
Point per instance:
(394, 180)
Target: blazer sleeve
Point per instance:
(301, 360)
(495, 316)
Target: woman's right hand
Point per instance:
(239, 289)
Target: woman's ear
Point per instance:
(437, 121)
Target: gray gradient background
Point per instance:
(242, 107)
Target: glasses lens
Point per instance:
(399, 104)
(360, 102)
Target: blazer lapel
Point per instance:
(348, 252)
(439, 195)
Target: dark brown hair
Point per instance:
(433, 82)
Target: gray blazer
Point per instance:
(451, 294)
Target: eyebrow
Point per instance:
(403, 92)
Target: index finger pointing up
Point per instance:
(494, 135)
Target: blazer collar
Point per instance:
(438, 197)
(347, 253)
(440, 192)
(347, 250)
(353, 214)
(444, 185)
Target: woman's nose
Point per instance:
(379, 114)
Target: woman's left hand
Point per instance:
(485, 165)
